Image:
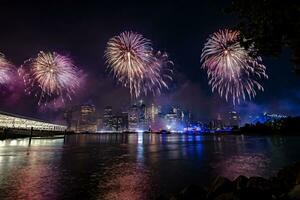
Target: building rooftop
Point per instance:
(23, 117)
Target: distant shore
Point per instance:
(25, 133)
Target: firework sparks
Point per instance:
(127, 56)
(131, 60)
(159, 74)
(50, 76)
(7, 70)
(231, 71)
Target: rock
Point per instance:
(289, 176)
(276, 188)
(240, 182)
(294, 194)
(252, 194)
(227, 196)
(250, 189)
(191, 192)
(256, 188)
(259, 183)
(285, 186)
(161, 197)
(219, 186)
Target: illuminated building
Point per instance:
(143, 122)
(175, 119)
(125, 121)
(87, 113)
(171, 117)
(82, 118)
(217, 124)
(107, 119)
(72, 116)
(99, 123)
(265, 117)
(273, 116)
(120, 123)
(233, 119)
(133, 118)
(152, 112)
(68, 117)
(144, 117)
(8, 120)
(111, 122)
(88, 120)
(179, 113)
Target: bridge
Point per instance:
(13, 121)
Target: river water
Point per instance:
(135, 166)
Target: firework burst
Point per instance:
(130, 58)
(231, 70)
(159, 74)
(7, 71)
(50, 76)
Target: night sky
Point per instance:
(81, 30)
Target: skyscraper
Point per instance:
(120, 123)
(107, 119)
(133, 118)
(88, 119)
(87, 113)
(152, 113)
(81, 118)
(233, 119)
(68, 117)
(142, 116)
(72, 117)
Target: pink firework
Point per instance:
(231, 70)
(50, 76)
(7, 71)
(159, 74)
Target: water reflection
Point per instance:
(247, 164)
(130, 179)
(250, 156)
(126, 181)
(24, 174)
(140, 147)
(34, 142)
(135, 166)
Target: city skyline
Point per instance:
(142, 117)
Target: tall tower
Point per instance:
(152, 112)
(133, 118)
(233, 119)
(88, 119)
(87, 113)
(108, 118)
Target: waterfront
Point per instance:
(135, 166)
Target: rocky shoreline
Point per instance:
(284, 186)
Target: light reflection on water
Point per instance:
(129, 180)
(26, 172)
(136, 166)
